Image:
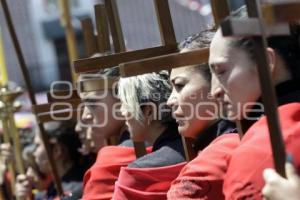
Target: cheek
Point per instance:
(40, 155)
(243, 86)
(192, 97)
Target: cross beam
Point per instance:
(102, 62)
(165, 62)
(281, 12)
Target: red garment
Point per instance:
(100, 179)
(202, 178)
(244, 177)
(145, 183)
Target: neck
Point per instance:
(154, 131)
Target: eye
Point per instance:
(220, 73)
(220, 70)
(178, 86)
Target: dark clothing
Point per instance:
(71, 183)
(167, 150)
(212, 132)
(125, 137)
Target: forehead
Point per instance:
(91, 95)
(181, 71)
(220, 48)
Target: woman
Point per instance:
(93, 136)
(102, 120)
(64, 144)
(149, 119)
(202, 177)
(233, 61)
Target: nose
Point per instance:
(172, 100)
(78, 128)
(217, 92)
(86, 116)
(216, 89)
(123, 111)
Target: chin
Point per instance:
(182, 131)
(186, 132)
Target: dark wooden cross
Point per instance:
(173, 60)
(101, 62)
(264, 16)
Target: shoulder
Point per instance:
(164, 156)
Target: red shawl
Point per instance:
(145, 183)
(202, 178)
(244, 176)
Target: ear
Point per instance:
(271, 54)
(148, 112)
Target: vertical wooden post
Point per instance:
(102, 28)
(165, 23)
(66, 22)
(115, 25)
(268, 91)
(89, 37)
(220, 9)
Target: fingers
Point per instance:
(5, 146)
(6, 149)
(23, 186)
(291, 173)
(6, 152)
(272, 180)
(271, 176)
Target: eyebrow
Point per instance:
(89, 100)
(176, 77)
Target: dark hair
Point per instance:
(286, 46)
(111, 73)
(198, 41)
(64, 133)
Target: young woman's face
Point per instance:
(105, 121)
(236, 82)
(192, 106)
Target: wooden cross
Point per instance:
(91, 64)
(173, 60)
(272, 14)
(93, 44)
(167, 37)
(151, 63)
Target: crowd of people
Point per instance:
(200, 102)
